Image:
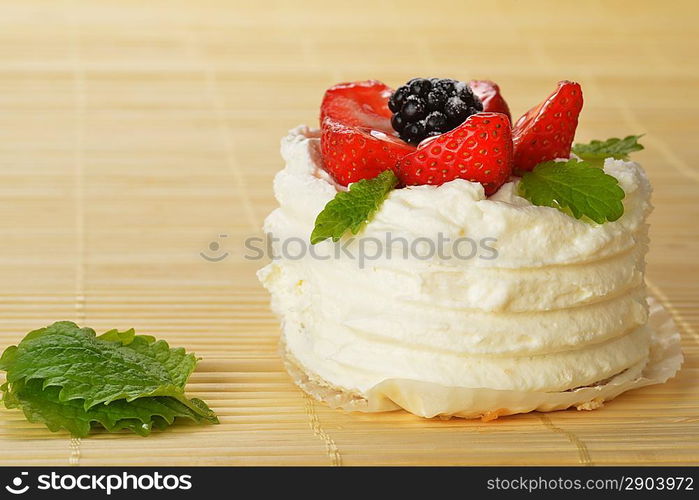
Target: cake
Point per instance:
(473, 268)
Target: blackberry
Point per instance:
(425, 107)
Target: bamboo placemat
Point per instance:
(133, 134)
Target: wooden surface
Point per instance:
(133, 133)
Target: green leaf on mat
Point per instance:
(68, 377)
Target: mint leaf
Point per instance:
(597, 151)
(575, 187)
(351, 209)
(139, 416)
(98, 370)
(118, 379)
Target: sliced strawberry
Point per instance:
(359, 104)
(354, 153)
(546, 131)
(489, 94)
(478, 150)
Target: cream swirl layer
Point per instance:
(561, 305)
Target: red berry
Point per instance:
(354, 153)
(359, 104)
(478, 150)
(546, 131)
(489, 94)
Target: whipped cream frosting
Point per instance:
(561, 306)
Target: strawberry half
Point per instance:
(489, 94)
(358, 104)
(478, 150)
(353, 153)
(546, 131)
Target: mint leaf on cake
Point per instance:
(574, 187)
(597, 151)
(349, 210)
(69, 378)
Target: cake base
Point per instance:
(428, 400)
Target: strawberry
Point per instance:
(546, 131)
(353, 153)
(478, 150)
(489, 94)
(362, 104)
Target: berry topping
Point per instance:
(428, 107)
(361, 104)
(546, 131)
(489, 94)
(479, 150)
(352, 153)
(413, 108)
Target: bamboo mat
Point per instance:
(133, 134)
